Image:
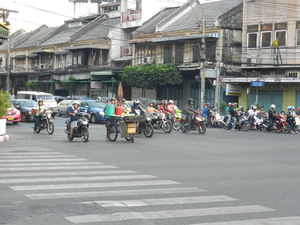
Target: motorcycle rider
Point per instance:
(73, 113)
(41, 109)
(136, 108)
(190, 112)
(151, 109)
(291, 116)
(227, 114)
(233, 115)
(298, 111)
(272, 116)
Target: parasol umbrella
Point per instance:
(120, 94)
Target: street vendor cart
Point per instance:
(127, 126)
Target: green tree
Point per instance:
(4, 102)
(151, 76)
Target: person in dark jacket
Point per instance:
(272, 116)
(73, 114)
(190, 112)
(234, 116)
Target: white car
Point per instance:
(48, 99)
(63, 106)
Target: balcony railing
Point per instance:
(129, 16)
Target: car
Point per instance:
(48, 99)
(25, 106)
(95, 109)
(63, 107)
(13, 115)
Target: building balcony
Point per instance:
(131, 19)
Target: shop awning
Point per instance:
(254, 79)
(19, 56)
(186, 37)
(87, 47)
(123, 59)
(104, 75)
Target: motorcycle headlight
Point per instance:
(148, 119)
(198, 118)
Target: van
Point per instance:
(48, 99)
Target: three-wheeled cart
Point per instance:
(125, 125)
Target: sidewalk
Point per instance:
(4, 138)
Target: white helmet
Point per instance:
(255, 107)
(272, 106)
(76, 102)
(171, 102)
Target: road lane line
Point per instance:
(67, 173)
(162, 201)
(37, 156)
(91, 194)
(49, 164)
(57, 168)
(91, 185)
(59, 179)
(267, 221)
(24, 149)
(42, 160)
(93, 218)
(29, 153)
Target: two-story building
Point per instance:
(271, 54)
(174, 36)
(77, 55)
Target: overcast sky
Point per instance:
(29, 18)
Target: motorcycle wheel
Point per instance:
(50, 128)
(245, 127)
(202, 129)
(176, 126)
(148, 131)
(286, 128)
(112, 133)
(84, 134)
(130, 139)
(37, 129)
(167, 127)
(93, 119)
(70, 138)
(297, 129)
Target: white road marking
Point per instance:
(42, 160)
(57, 168)
(28, 153)
(50, 164)
(58, 179)
(91, 194)
(67, 173)
(268, 221)
(25, 149)
(36, 156)
(92, 185)
(93, 218)
(162, 201)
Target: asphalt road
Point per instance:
(178, 179)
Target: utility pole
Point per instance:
(202, 59)
(4, 13)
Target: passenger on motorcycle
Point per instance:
(41, 109)
(73, 114)
(190, 112)
(291, 116)
(205, 112)
(227, 114)
(272, 115)
(109, 121)
(171, 106)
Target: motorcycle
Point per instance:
(196, 124)
(160, 121)
(296, 127)
(81, 130)
(242, 123)
(279, 126)
(146, 127)
(45, 123)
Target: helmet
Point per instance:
(254, 107)
(293, 108)
(229, 103)
(165, 101)
(190, 100)
(40, 100)
(289, 107)
(137, 102)
(171, 102)
(272, 106)
(76, 102)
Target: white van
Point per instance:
(49, 100)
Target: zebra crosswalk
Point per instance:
(43, 174)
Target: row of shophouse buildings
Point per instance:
(252, 50)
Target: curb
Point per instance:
(4, 138)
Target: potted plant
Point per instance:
(4, 104)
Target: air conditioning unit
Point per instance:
(42, 66)
(127, 51)
(147, 60)
(293, 74)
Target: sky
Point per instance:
(30, 18)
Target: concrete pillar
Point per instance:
(243, 97)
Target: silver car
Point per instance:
(63, 107)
